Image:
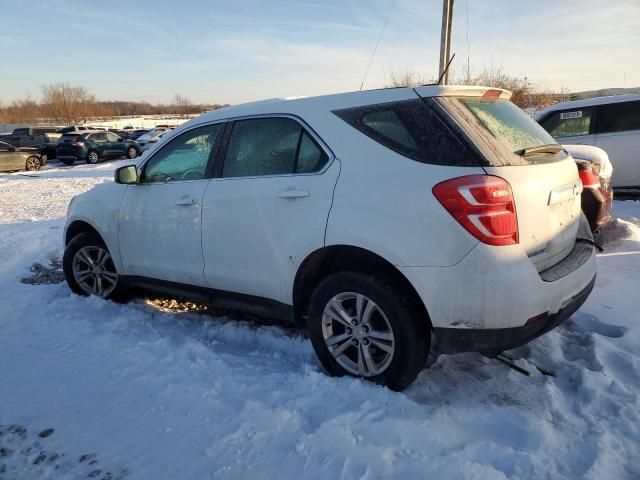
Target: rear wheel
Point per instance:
(89, 268)
(32, 164)
(365, 327)
(93, 157)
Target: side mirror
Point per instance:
(127, 175)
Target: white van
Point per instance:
(611, 123)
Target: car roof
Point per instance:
(294, 105)
(590, 102)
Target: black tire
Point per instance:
(92, 157)
(118, 293)
(32, 164)
(132, 153)
(410, 328)
(68, 161)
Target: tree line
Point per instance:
(62, 103)
(526, 95)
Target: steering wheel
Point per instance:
(192, 174)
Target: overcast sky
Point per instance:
(229, 51)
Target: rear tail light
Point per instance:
(483, 205)
(589, 179)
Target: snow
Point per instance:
(164, 390)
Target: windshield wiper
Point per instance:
(552, 148)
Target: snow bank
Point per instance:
(146, 390)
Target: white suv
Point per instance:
(388, 222)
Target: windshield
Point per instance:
(508, 124)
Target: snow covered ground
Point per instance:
(151, 390)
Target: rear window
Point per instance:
(412, 128)
(507, 123)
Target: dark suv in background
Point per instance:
(93, 147)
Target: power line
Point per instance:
(386, 20)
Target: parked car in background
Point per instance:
(93, 147)
(16, 158)
(595, 172)
(148, 142)
(378, 219)
(136, 133)
(611, 123)
(74, 129)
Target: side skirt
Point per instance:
(264, 307)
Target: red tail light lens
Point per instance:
(483, 205)
(589, 179)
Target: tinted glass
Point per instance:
(112, 137)
(618, 117)
(262, 146)
(21, 131)
(568, 123)
(68, 138)
(183, 158)
(311, 157)
(412, 128)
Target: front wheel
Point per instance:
(363, 326)
(132, 153)
(32, 164)
(89, 269)
(93, 157)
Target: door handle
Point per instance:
(186, 201)
(293, 194)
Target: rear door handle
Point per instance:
(186, 201)
(293, 194)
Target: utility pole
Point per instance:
(445, 39)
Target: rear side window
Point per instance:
(271, 146)
(411, 128)
(568, 123)
(20, 131)
(618, 117)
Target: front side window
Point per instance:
(112, 137)
(618, 117)
(271, 146)
(568, 123)
(184, 157)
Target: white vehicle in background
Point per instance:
(384, 221)
(611, 123)
(151, 138)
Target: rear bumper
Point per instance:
(493, 341)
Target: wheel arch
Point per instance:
(77, 227)
(340, 258)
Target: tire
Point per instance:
(76, 267)
(393, 312)
(132, 153)
(93, 157)
(68, 161)
(32, 164)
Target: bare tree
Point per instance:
(182, 104)
(64, 103)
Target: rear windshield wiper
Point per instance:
(552, 148)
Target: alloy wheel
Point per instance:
(93, 157)
(132, 153)
(358, 334)
(33, 164)
(94, 271)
